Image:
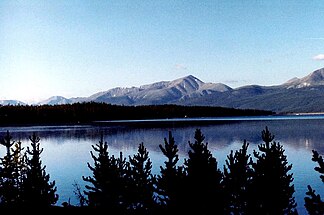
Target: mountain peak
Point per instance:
(192, 78)
(189, 82)
(189, 78)
(293, 80)
(315, 78)
(55, 100)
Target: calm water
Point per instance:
(67, 148)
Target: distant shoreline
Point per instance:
(301, 113)
(81, 113)
(204, 120)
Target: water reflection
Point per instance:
(306, 134)
(67, 148)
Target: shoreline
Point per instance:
(304, 113)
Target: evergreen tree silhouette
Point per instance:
(98, 191)
(203, 181)
(237, 180)
(170, 180)
(272, 191)
(108, 181)
(19, 158)
(19, 169)
(37, 190)
(313, 202)
(142, 182)
(9, 175)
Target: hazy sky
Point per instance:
(77, 48)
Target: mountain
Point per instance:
(11, 102)
(163, 92)
(304, 95)
(296, 95)
(315, 78)
(55, 100)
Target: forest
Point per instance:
(92, 111)
(257, 183)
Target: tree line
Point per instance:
(257, 183)
(91, 111)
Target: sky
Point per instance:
(78, 48)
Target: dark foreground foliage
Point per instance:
(313, 202)
(24, 182)
(257, 183)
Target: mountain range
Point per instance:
(297, 95)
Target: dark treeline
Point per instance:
(88, 112)
(257, 183)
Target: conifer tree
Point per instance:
(237, 179)
(272, 188)
(142, 182)
(108, 181)
(19, 161)
(203, 181)
(102, 162)
(313, 202)
(37, 190)
(9, 187)
(170, 180)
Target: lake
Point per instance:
(67, 148)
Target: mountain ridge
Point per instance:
(304, 94)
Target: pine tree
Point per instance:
(108, 181)
(102, 164)
(237, 179)
(37, 190)
(170, 181)
(9, 187)
(19, 161)
(272, 191)
(142, 182)
(203, 181)
(313, 202)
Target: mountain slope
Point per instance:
(277, 100)
(296, 95)
(315, 78)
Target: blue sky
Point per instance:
(77, 48)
